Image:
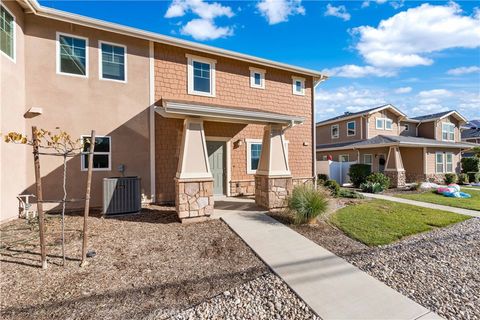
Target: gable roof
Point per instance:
(350, 115)
(471, 133)
(34, 7)
(441, 115)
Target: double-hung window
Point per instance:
(102, 154)
(7, 33)
(448, 162)
(201, 76)
(448, 132)
(351, 128)
(298, 86)
(72, 55)
(439, 163)
(257, 78)
(113, 59)
(367, 159)
(334, 131)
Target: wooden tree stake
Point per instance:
(87, 198)
(38, 184)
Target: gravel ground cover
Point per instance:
(439, 269)
(144, 263)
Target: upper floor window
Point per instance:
(351, 128)
(383, 124)
(72, 55)
(101, 153)
(379, 123)
(388, 124)
(448, 131)
(257, 78)
(7, 33)
(201, 76)
(334, 131)
(298, 86)
(112, 61)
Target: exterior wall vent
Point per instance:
(121, 195)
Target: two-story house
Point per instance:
(192, 121)
(406, 149)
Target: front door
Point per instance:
(216, 159)
(381, 163)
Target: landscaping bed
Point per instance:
(472, 203)
(146, 265)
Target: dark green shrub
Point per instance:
(463, 178)
(333, 187)
(470, 165)
(372, 187)
(306, 203)
(358, 173)
(473, 177)
(450, 178)
(380, 178)
(322, 178)
(345, 193)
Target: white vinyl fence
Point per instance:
(335, 170)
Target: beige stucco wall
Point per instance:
(373, 131)
(412, 129)
(412, 162)
(323, 132)
(12, 107)
(431, 159)
(427, 130)
(78, 105)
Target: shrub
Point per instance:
(333, 187)
(473, 177)
(345, 193)
(380, 178)
(372, 187)
(306, 203)
(358, 173)
(450, 178)
(470, 165)
(322, 178)
(463, 178)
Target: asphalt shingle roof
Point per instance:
(348, 114)
(471, 133)
(431, 116)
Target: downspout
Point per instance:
(151, 51)
(314, 128)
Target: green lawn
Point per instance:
(378, 222)
(432, 197)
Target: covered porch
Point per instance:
(205, 163)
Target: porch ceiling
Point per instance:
(183, 109)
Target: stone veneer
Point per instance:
(397, 178)
(242, 188)
(436, 177)
(272, 192)
(194, 199)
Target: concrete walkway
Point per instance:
(466, 212)
(333, 288)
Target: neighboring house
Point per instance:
(406, 149)
(471, 132)
(191, 120)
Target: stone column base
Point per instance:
(194, 199)
(272, 192)
(397, 178)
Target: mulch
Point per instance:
(145, 264)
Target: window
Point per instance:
(367, 159)
(201, 76)
(448, 162)
(343, 158)
(7, 33)
(379, 123)
(257, 78)
(101, 155)
(388, 124)
(448, 131)
(351, 128)
(254, 149)
(334, 131)
(72, 55)
(439, 162)
(383, 124)
(298, 86)
(112, 61)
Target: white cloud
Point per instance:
(407, 38)
(276, 11)
(435, 93)
(464, 70)
(403, 90)
(422, 109)
(203, 29)
(354, 71)
(339, 12)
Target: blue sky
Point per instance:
(423, 57)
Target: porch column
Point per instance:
(194, 181)
(394, 167)
(273, 180)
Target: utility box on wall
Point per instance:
(121, 195)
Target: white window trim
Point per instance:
(190, 59)
(391, 121)
(371, 158)
(437, 163)
(249, 143)
(58, 55)
(446, 170)
(344, 155)
(354, 128)
(100, 61)
(383, 123)
(294, 87)
(14, 51)
(445, 124)
(262, 78)
(331, 131)
(83, 165)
